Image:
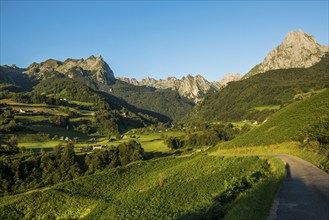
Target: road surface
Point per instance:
(304, 194)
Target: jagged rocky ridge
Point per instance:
(94, 68)
(298, 50)
(191, 87)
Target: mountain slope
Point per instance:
(259, 96)
(288, 124)
(13, 75)
(298, 50)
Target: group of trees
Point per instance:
(28, 171)
(59, 120)
(113, 157)
(209, 136)
(11, 146)
(8, 122)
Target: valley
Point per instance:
(78, 143)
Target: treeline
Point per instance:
(29, 171)
(209, 136)
(35, 98)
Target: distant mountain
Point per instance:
(190, 87)
(92, 68)
(298, 50)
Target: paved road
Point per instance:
(304, 194)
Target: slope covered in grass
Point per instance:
(288, 124)
(195, 187)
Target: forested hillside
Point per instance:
(167, 103)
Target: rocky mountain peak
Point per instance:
(93, 67)
(298, 36)
(298, 50)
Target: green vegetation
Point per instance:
(175, 188)
(288, 124)
(242, 100)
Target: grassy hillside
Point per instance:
(289, 123)
(196, 187)
(261, 95)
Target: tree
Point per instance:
(130, 151)
(67, 165)
(174, 143)
(47, 166)
(12, 145)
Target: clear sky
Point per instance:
(156, 38)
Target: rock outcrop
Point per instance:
(298, 50)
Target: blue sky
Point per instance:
(156, 38)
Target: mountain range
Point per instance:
(172, 98)
(191, 87)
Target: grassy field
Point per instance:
(268, 107)
(196, 187)
(28, 118)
